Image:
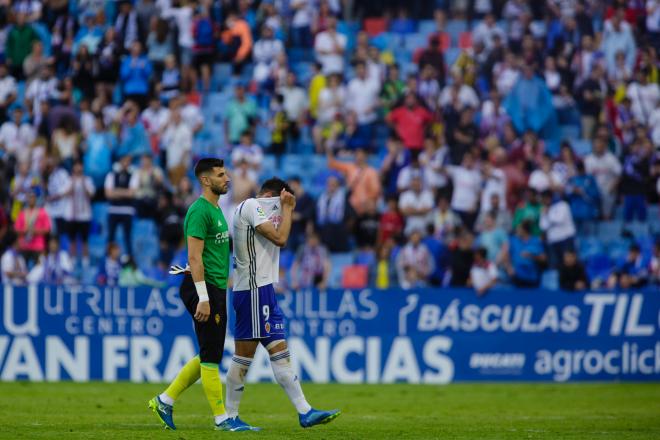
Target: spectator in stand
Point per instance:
(618, 37)
(295, 105)
(530, 104)
(329, 47)
(461, 259)
(43, 89)
(361, 179)
(128, 27)
(410, 122)
(311, 267)
(203, 30)
(13, 265)
(17, 135)
(78, 215)
(110, 266)
(120, 187)
(393, 89)
(572, 275)
(391, 222)
(133, 137)
(98, 150)
(591, 95)
(367, 227)
(632, 272)
(333, 213)
(494, 240)
(159, 44)
(303, 213)
(241, 113)
(236, 42)
(54, 267)
(545, 178)
(21, 185)
(108, 61)
(363, 92)
(416, 205)
(654, 267)
(644, 96)
(433, 56)
(36, 61)
(414, 263)
(32, 226)
(483, 274)
(177, 143)
(467, 182)
(155, 118)
(462, 136)
(635, 180)
(7, 91)
(445, 220)
(526, 257)
(606, 169)
(383, 274)
(57, 198)
(151, 181)
(556, 222)
(18, 45)
(265, 53)
(583, 197)
(249, 152)
(414, 168)
(301, 32)
(331, 105)
(169, 84)
(135, 73)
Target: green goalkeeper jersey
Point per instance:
(206, 222)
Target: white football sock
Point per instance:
(221, 418)
(236, 383)
(284, 375)
(166, 399)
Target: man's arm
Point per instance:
(195, 249)
(280, 235)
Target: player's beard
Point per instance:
(220, 190)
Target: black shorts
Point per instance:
(210, 334)
(203, 58)
(78, 229)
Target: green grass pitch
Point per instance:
(463, 411)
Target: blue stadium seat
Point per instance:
(454, 29)
(589, 246)
(550, 280)
(427, 27)
(599, 267)
(387, 40)
(581, 147)
(338, 262)
(221, 74)
(412, 42)
(451, 55)
(403, 26)
(569, 132)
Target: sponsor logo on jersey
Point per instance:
(260, 211)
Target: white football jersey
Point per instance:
(256, 259)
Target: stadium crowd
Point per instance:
(463, 143)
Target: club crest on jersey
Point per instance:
(267, 327)
(219, 223)
(217, 319)
(260, 211)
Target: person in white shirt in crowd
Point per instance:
(177, 142)
(363, 95)
(17, 135)
(248, 151)
(416, 205)
(458, 91)
(494, 182)
(644, 96)
(654, 125)
(301, 22)
(483, 274)
(43, 88)
(506, 73)
(265, 53)
(8, 91)
(155, 117)
(12, 264)
(545, 178)
(191, 114)
(414, 263)
(331, 105)
(485, 32)
(433, 160)
(183, 16)
(410, 171)
(78, 213)
(56, 200)
(467, 183)
(557, 224)
(295, 102)
(54, 267)
(606, 169)
(329, 47)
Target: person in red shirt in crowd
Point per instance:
(391, 222)
(32, 226)
(410, 122)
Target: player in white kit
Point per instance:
(261, 228)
